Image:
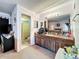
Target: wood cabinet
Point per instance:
(37, 40)
(52, 43)
(47, 43)
(52, 47)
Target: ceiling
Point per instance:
(32, 5)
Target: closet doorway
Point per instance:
(25, 29)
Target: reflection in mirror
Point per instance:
(59, 25)
(41, 24)
(44, 24)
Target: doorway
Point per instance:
(25, 29)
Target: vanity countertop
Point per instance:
(59, 36)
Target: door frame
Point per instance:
(21, 26)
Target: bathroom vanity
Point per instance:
(53, 42)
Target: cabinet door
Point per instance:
(53, 45)
(48, 43)
(42, 42)
(38, 40)
(57, 46)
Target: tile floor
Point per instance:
(30, 52)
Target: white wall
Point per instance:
(13, 19)
(5, 15)
(34, 17)
(75, 30)
(18, 10)
(75, 25)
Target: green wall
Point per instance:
(26, 22)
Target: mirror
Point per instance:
(59, 24)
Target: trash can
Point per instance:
(7, 43)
